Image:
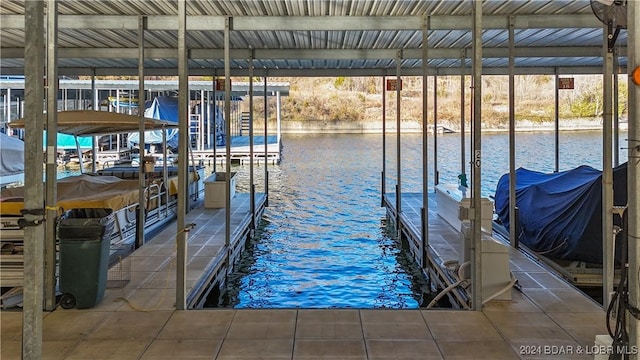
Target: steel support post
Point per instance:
(633, 176)
(616, 112)
(436, 174)
(512, 136)
(266, 143)
(252, 185)
(476, 190)
(183, 148)
(556, 131)
(94, 139)
(227, 115)
(424, 216)
(463, 144)
(383, 179)
(398, 143)
(34, 232)
(142, 179)
(278, 119)
(51, 159)
(215, 125)
(607, 173)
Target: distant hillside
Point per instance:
(359, 99)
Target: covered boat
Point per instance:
(561, 213)
(11, 159)
(166, 108)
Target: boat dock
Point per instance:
(546, 318)
(241, 151)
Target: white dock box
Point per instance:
(215, 187)
(454, 203)
(496, 274)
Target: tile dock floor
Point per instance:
(546, 316)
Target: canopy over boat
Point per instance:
(82, 191)
(561, 213)
(93, 123)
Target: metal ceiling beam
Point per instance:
(133, 71)
(316, 54)
(312, 23)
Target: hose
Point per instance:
(444, 292)
(503, 290)
(460, 281)
(461, 268)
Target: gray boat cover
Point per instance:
(11, 155)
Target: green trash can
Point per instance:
(84, 236)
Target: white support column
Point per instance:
(183, 160)
(117, 100)
(52, 152)
(476, 189)
(8, 97)
(633, 175)
(95, 94)
(34, 232)
(607, 173)
(201, 127)
(278, 118)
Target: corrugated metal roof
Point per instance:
(305, 34)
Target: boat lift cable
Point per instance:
(620, 300)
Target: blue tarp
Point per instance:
(166, 108)
(162, 108)
(68, 142)
(561, 213)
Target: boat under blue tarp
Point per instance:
(561, 213)
(166, 108)
(161, 108)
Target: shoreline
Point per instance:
(323, 127)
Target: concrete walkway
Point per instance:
(502, 331)
(139, 321)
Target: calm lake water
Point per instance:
(323, 241)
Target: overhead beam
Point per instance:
(317, 54)
(312, 23)
(297, 72)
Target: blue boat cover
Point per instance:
(162, 108)
(561, 213)
(166, 108)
